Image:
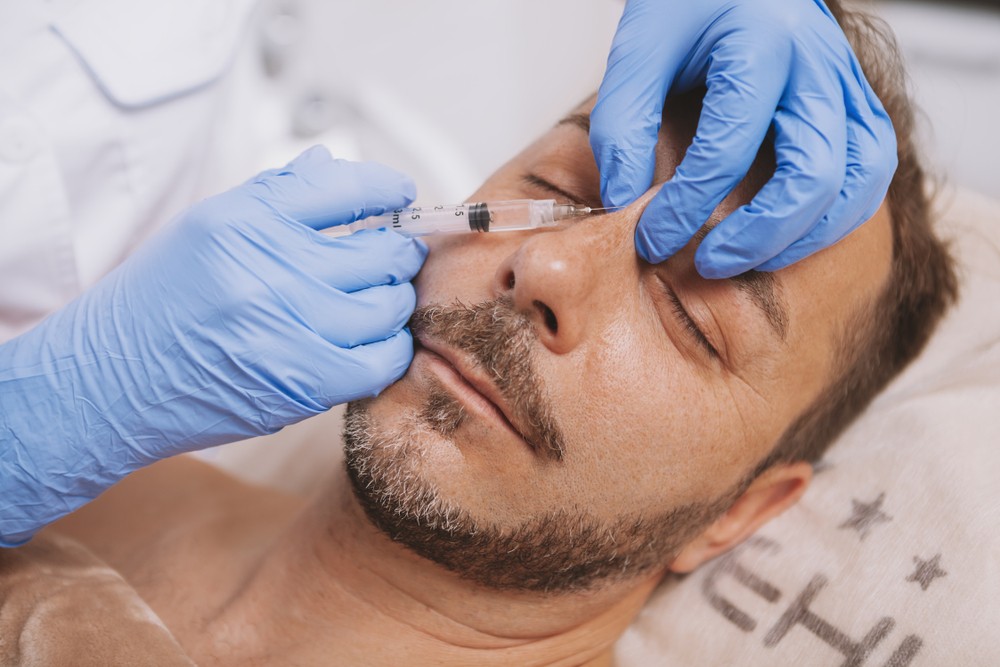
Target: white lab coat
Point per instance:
(109, 111)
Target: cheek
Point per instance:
(644, 426)
(461, 267)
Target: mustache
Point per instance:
(498, 339)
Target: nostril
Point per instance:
(510, 280)
(549, 317)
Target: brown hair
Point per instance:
(886, 335)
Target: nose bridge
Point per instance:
(567, 281)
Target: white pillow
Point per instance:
(892, 558)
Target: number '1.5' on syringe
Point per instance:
(495, 216)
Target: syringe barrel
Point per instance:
(416, 221)
(421, 220)
(512, 215)
(518, 214)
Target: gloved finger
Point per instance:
(318, 191)
(869, 172)
(361, 317)
(366, 370)
(367, 258)
(874, 136)
(745, 83)
(810, 147)
(625, 120)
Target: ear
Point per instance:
(771, 493)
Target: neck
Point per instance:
(362, 599)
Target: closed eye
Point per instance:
(689, 324)
(563, 195)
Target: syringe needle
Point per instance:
(588, 210)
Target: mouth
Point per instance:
(474, 388)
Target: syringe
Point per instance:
(494, 216)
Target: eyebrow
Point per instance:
(763, 290)
(579, 119)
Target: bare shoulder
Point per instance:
(63, 606)
(166, 503)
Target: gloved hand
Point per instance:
(236, 320)
(785, 62)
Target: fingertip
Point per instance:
(647, 246)
(373, 367)
(624, 175)
(410, 257)
(390, 187)
(714, 263)
(777, 263)
(390, 308)
(709, 270)
(421, 249)
(396, 355)
(659, 234)
(406, 300)
(405, 337)
(401, 183)
(623, 136)
(618, 191)
(319, 152)
(409, 244)
(314, 155)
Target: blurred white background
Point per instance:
(953, 55)
(449, 90)
(442, 89)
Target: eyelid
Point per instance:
(690, 326)
(534, 180)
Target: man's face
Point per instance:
(573, 413)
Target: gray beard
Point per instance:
(558, 551)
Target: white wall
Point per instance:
(449, 89)
(474, 81)
(953, 56)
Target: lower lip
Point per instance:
(469, 396)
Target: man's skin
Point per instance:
(651, 421)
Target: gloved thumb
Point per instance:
(319, 191)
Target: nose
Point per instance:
(567, 281)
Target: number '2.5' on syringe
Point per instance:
(508, 216)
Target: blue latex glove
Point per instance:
(764, 62)
(234, 321)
